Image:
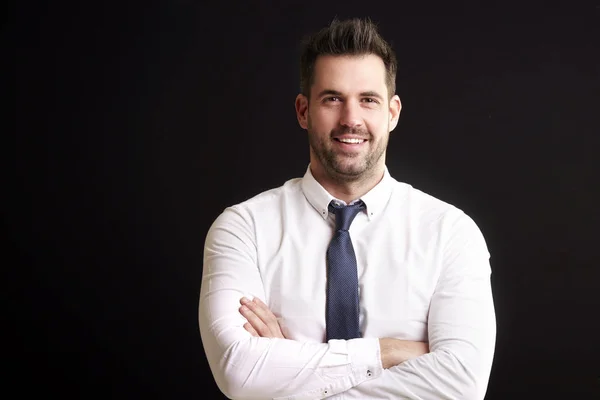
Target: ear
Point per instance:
(395, 107)
(302, 110)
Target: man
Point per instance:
(281, 316)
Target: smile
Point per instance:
(350, 141)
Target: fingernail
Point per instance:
(244, 300)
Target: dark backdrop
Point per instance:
(136, 124)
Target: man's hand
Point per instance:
(396, 351)
(261, 321)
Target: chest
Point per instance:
(397, 271)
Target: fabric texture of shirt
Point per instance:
(424, 275)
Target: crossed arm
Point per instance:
(250, 358)
(263, 323)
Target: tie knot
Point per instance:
(345, 214)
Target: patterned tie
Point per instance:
(342, 277)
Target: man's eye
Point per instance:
(332, 98)
(369, 100)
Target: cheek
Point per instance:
(378, 124)
(322, 121)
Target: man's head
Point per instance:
(352, 37)
(347, 101)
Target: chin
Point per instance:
(349, 172)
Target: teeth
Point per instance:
(354, 141)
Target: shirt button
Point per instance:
(369, 372)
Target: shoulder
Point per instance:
(271, 197)
(436, 213)
(269, 200)
(420, 203)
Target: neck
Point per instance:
(348, 190)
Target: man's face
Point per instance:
(349, 116)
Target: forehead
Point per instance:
(349, 73)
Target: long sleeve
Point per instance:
(246, 367)
(461, 328)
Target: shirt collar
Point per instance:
(319, 198)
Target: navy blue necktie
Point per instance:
(342, 276)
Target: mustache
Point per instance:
(362, 132)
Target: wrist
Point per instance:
(387, 353)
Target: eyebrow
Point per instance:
(330, 92)
(371, 94)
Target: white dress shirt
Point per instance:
(424, 275)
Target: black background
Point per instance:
(136, 124)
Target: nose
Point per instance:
(351, 115)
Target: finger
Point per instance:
(269, 324)
(260, 309)
(248, 311)
(267, 316)
(244, 300)
(250, 329)
(255, 321)
(260, 302)
(264, 313)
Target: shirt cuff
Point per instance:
(365, 357)
(347, 364)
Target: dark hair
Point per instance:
(356, 36)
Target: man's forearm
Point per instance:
(263, 323)
(439, 374)
(256, 361)
(396, 351)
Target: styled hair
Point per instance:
(352, 37)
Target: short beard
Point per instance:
(330, 160)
